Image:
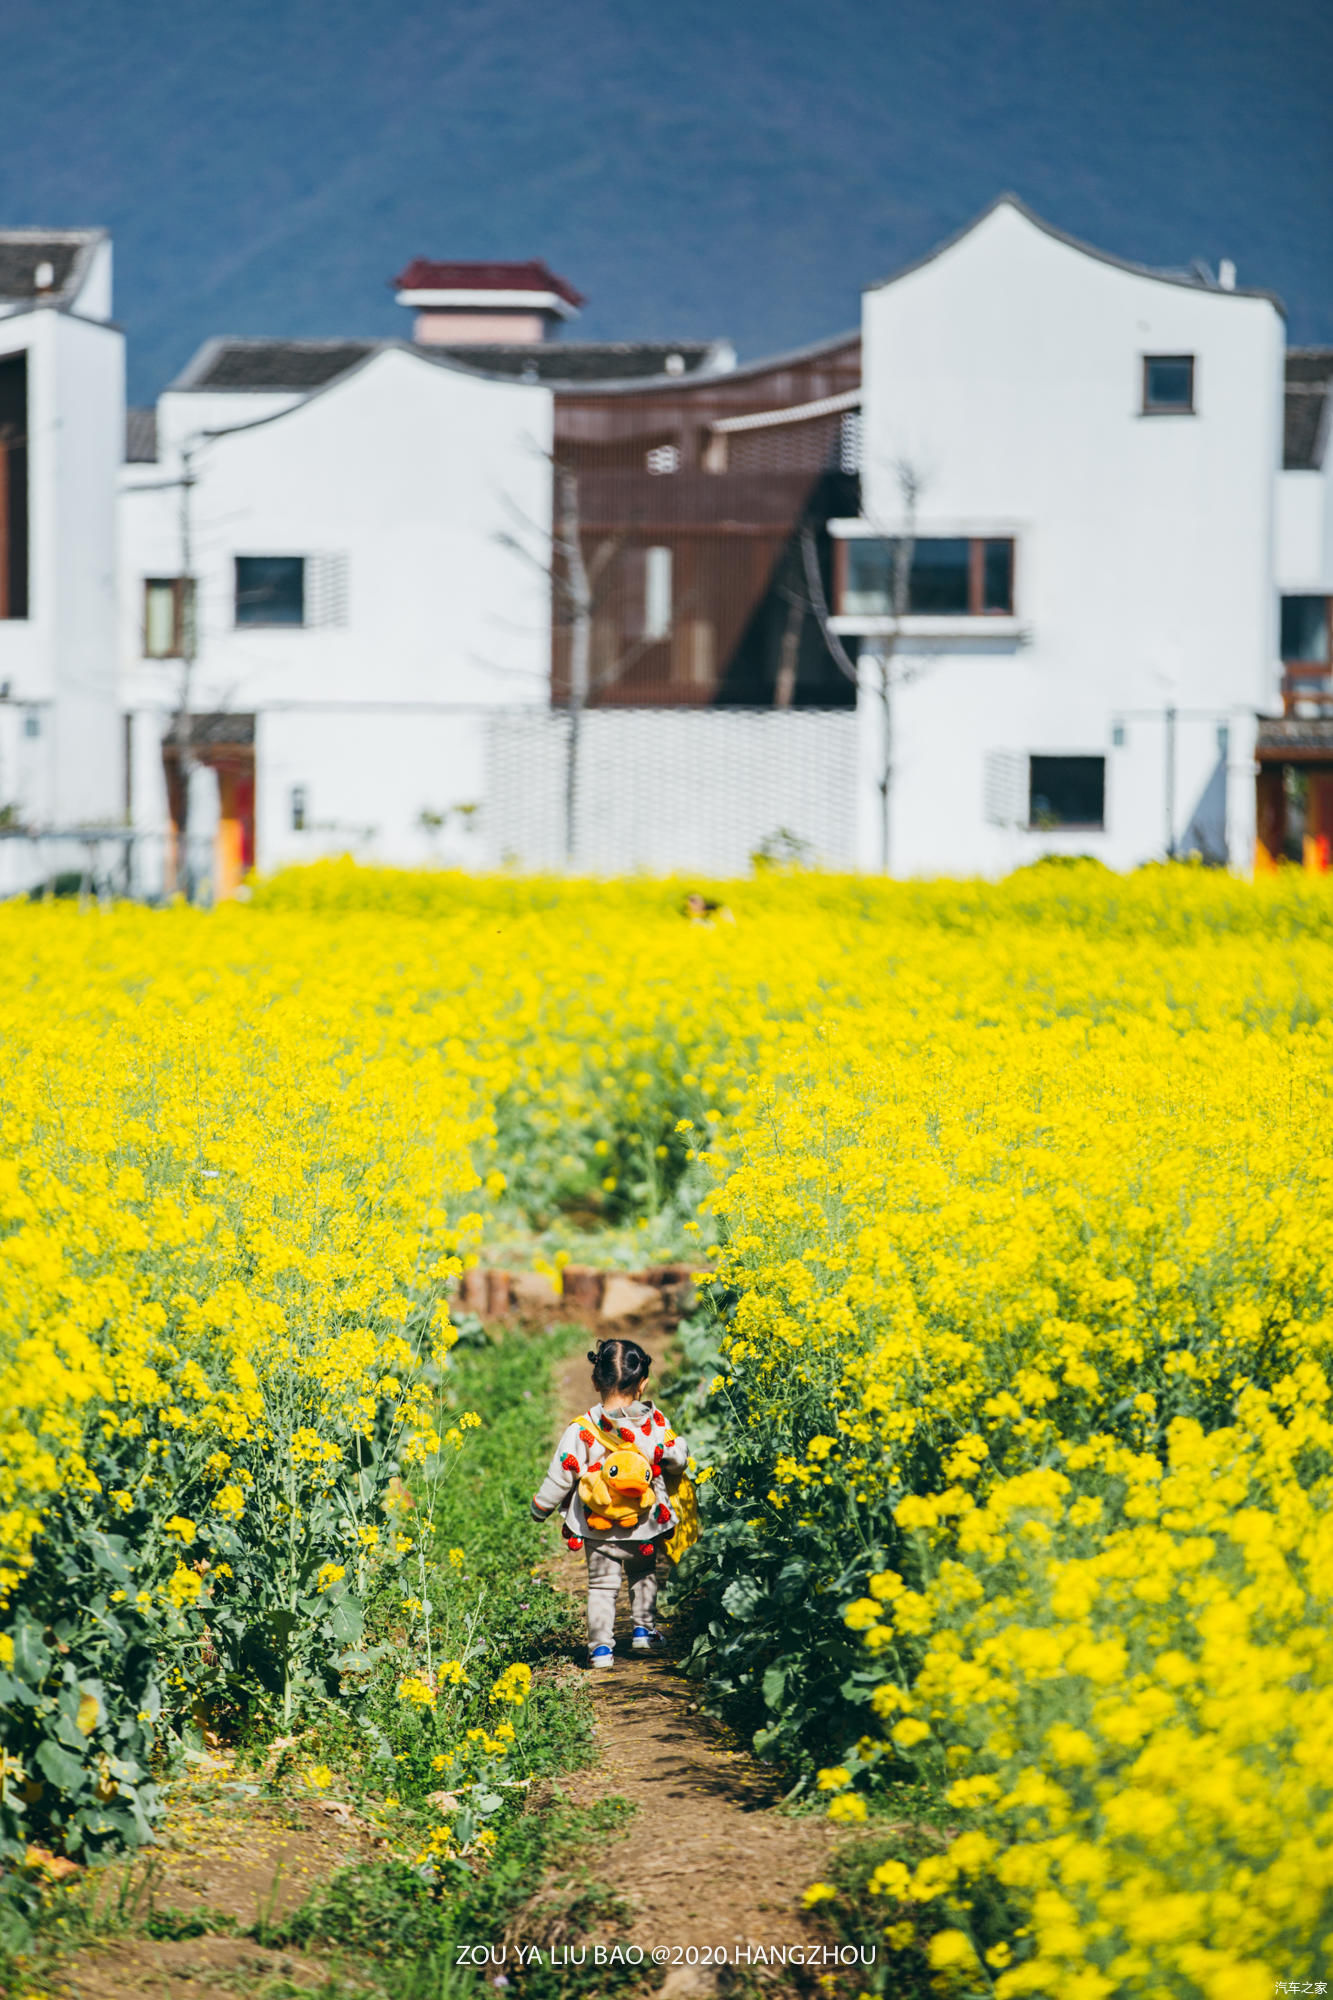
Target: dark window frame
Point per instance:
(1304, 659)
(976, 574)
(1034, 825)
(183, 601)
(15, 493)
(246, 620)
(1152, 408)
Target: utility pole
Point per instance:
(182, 727)
(579, 597)
(1169, 787)
(181, 733)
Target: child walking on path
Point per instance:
(613, 1475)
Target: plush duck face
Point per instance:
(618, 1492)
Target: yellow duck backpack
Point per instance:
(617, 1490)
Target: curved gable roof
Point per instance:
(1192, 280)
(374, 351)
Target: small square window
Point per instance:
(1168, 385)
(168, 606)
(1304, 637)
(270, 590)
(1066, 791)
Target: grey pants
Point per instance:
(607, 1563)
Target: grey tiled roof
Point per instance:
(1306, 409)
(22, 250)
(272, 364)
(301, 365)
(140, 437)
(583, 360)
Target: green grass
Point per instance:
(388, 1931)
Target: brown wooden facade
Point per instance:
(661, 468)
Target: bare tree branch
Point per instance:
(814, 583)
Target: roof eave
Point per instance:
(741, 373)
(1010, 200)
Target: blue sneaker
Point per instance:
(602, 1657)
(646, 1639)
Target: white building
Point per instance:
(331, 557)
(62, 429)
(361, 599)
(1087, 458)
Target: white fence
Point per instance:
(671, 789)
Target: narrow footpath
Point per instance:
(708, 1859)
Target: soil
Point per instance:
(230, 1855)
(709, 1859)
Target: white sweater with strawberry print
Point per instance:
(581, 1450)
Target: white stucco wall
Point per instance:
(408, 474)
(1007, 371)
(60, 662)
(1301, 541)
(366, 777)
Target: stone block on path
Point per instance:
(534, 1288)
(625, 1298)
(472, 1290)
(583, 1287)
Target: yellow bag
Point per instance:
(684, 1499)
(686, 1531)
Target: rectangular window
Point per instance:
(940, 581)
(1066, 791)
(1168, 385)
(1304, 637)
(997, 577)
(298, 808)
(270, 590)
(657, 594)
(951, 576)
(168, 601)
(14, 486)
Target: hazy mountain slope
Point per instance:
(701, 168)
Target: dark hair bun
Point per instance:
(591, 1354)
(619, 1364)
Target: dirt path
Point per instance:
(223, 1860)
(709, 1860)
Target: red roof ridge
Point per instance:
(423, 274)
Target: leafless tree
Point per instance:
(579, 581)
(181, 732)
(887, 667)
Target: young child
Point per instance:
(626, 1422)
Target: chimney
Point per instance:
(1226, 275)
(484, 305)
(44, 278)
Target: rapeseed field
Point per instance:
(1016, 1398)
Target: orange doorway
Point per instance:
(224, 744)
